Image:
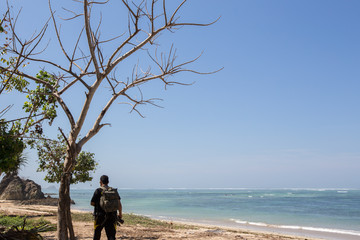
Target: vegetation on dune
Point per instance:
(131, 219)
(82, 217)
(17, 227)
(19, 221)
(21, 227)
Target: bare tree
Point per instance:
(91, 67)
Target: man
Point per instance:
(104, 219)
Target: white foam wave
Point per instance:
(342, 191)
(314, 229)
(328, 230)
(260, 224)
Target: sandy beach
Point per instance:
(84, 230)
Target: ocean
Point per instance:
(328, 213)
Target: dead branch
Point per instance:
(94, 58)
(90, 37)
(145, 24)
(5, 110)
(94, 67)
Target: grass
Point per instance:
(131, 219)
(82, 217)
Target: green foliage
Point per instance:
(85, 163)
(41, 105)
(10, 150)
(132, 219)
(18, 221)
(11, 221)
(1, 28)
(22, 228)
(9, 80)
(51, 160)
(41, 99)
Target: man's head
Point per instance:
(104, 179)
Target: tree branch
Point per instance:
(90, 37)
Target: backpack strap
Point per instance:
(106, 188)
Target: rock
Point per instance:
(12, 187)
(33, 190)
(49, 201)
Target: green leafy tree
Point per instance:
(52, 155)
(39, 105)
(11, 146)
(10, 151)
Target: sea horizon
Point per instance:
(211, 188)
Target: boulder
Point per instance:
(12, 187)
(33, 190)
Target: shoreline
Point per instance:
(307, 232)
(173, 229)
(286, 230)
(198, 229)
(294, 231)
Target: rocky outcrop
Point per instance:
(48, 201)
(12, 187)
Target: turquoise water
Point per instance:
(323, 210)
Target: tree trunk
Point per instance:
(64, 224)
(69, 220)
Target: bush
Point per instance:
(41, 224)
(19, 228)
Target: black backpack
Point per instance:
(109, 200)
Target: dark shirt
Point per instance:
(96, 199)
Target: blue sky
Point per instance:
(284, 111)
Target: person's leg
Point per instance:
(98, 226)
(110, 228)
